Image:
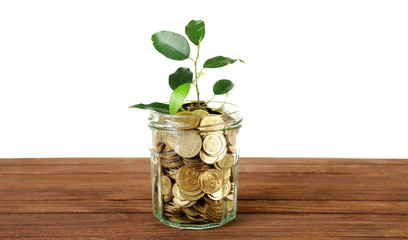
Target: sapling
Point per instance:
(174, 46)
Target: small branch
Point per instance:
(210, 100)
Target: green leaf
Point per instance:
(195, 31)
(222, 86)
(177, 97)
(179, 77)
(171, 45)
(219, 61)
(156, 106)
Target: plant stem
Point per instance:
(196, 76)
(210, 99)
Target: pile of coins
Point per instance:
(195, 168)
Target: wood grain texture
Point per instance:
(279, 198)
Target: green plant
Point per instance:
(174, 46)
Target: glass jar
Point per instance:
(194, 167)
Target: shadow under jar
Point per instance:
(194, 167)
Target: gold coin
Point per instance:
(186, 144)
(232, 149)
(198, 207)
(197, 218)
(216, 204)
(165, 185)
(181, 203)
(179, 200)
(226, 162)
(226, 189)
(158, 141)
(176, 193)
(192, 198)
(211, 123)
(231, 136)
(207, 159)
(191, 211)
(187, 178)
(171, 172)
(196, 164)
(170, 159)
(169, 155)
(223, 192)
(217, 195)
(227, 173)
(230, 206)
(230, 196)
(190, 121)
(201, 112)
(181, 219)
(170, 209)
(214, 144)
(222, 154)
(167, 198)
(160, 146)
(189, 193)
(213, 214)
(210, 181)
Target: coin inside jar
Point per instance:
(196, 164)
(201, 112)
(211, 122)
(231, 137)
(190, 121)
(225, 163)
(187, 178)
(165, 185)
(214, 144)
(207, 159)
(191, 211)
(211, 181)
(187, 144)
(223, 192)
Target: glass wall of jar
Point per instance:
(194, 166)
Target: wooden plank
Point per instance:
(246, 225)
(251, 186)
(75, 186)
(70, 161)
(244, 206)
(323, 187)
(244, 161)
(324, 161)
(144, 167)
(78, 168)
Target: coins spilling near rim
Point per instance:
(211, 123)
(187, 120)
(196, 168)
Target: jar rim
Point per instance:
(231, 119)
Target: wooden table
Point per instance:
(279, 198)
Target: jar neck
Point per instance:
(229, 120)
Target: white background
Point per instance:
(322, 79)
